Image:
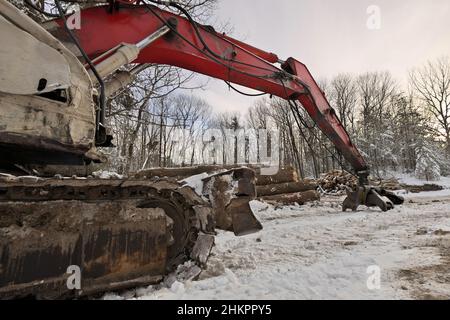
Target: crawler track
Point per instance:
(121, 233)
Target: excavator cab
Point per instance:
(46, 97)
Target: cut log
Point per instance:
(176, 172)
(293, 198)
(424, 188)
(181, 173)
(284, 188)
(283, 176)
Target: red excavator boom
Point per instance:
(199, 48)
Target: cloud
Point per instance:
(331, 36)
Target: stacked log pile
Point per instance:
(424, 188)
(285, 188)
(292, 198)
(185, 172)
(177, 173)
(389, 184)
(284, 175)
(337, 181)
(393, 185)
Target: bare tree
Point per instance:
(225, 122)
(432, 86)
(133, 112)
(376, 90)
(200, 10)
(191, 114)
(344, 97)
(257, 119)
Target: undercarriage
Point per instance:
(120, 233)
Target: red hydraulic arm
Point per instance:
(210, 53)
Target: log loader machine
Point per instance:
(54, 84)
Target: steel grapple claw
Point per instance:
(371, 197)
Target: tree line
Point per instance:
(395, 129)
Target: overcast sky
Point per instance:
(331, 36)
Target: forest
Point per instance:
(398, 129)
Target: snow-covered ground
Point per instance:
(412, 181)
(318, 252)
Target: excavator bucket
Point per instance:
(230, 193)
(371, 197)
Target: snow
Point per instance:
(413, 181)
(318, 252)
(196, 182)
(422, 195)
(107, 175)
(427, 164)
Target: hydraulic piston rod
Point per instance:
(125, 54)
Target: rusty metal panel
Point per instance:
(112, 243)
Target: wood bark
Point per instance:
(283, 188)
(283, 176)
(293, 198)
